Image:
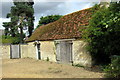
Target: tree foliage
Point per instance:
(48, 19)
(9, 39)
(113, 69)
(103, 33)
(22, 18)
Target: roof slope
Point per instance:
(66, 27)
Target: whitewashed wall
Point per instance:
(80, 55)
(5, 50)
(47, 49)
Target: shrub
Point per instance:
(113, 69)
(10, 40)
(103, 33)
(47, 59)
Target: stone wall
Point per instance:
(47, 49)
(26, 51)
(32, 50)
(5, 49)
(80, 55)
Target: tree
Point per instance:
(103, 33)
(6, 25)
(21, 19)
(48, 19)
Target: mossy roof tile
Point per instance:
(66, 27)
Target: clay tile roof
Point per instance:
(66, 27)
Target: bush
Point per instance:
(103, 33)
(10, 40)
(47, 59)
(113, 69)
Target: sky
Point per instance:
(47, 7)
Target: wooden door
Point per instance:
(15, 52)
(64, 52)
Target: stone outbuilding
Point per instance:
(61, 41)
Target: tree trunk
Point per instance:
(12, 33)
(30, 29)
(31, 26)
(6, 31)
(21, 34)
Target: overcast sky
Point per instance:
(47, 7)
